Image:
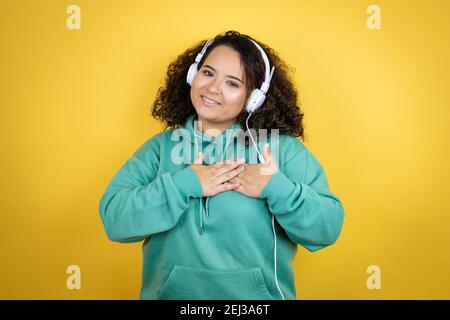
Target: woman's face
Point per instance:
(218, 90)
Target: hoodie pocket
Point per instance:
(184, 283)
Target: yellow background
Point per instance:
(76, 104)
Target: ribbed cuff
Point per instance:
(278, 188)
(188, 183)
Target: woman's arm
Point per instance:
(137, 203)
(303, 205)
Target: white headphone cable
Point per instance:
(261, 159)
(275, 255)
(260, 156)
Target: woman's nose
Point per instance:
(214, 86)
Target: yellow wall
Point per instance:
(75, 105)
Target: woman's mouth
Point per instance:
(209, 102)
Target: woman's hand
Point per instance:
(215, 178)
(253, 180)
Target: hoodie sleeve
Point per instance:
(137, 203)
(303, 205)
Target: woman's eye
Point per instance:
(207, 73)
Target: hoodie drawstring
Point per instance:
(201, 208)
(200, 215)
(200, 212)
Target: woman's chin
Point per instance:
(208, 113)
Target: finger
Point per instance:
(199, 159)
(229, 161)
(229, 175)
(267, 152)
(239, 188)
(235, 180)
(226, 168)
(226, 186)
(234, 160)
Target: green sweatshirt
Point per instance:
(219, 247)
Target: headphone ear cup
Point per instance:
(255, 100)
(191, 73)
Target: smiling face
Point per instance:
(218, 90)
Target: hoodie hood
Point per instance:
(214, 149)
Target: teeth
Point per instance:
(209, 101)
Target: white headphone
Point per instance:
(257, 97)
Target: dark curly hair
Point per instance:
(280, 109)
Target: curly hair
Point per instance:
(280, 110)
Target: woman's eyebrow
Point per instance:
(233, 77)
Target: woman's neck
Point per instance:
(213, 129)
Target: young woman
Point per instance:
(221, 214)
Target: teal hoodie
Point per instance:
(218, 247)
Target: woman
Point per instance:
(219, 220)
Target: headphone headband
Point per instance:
(268, 76)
